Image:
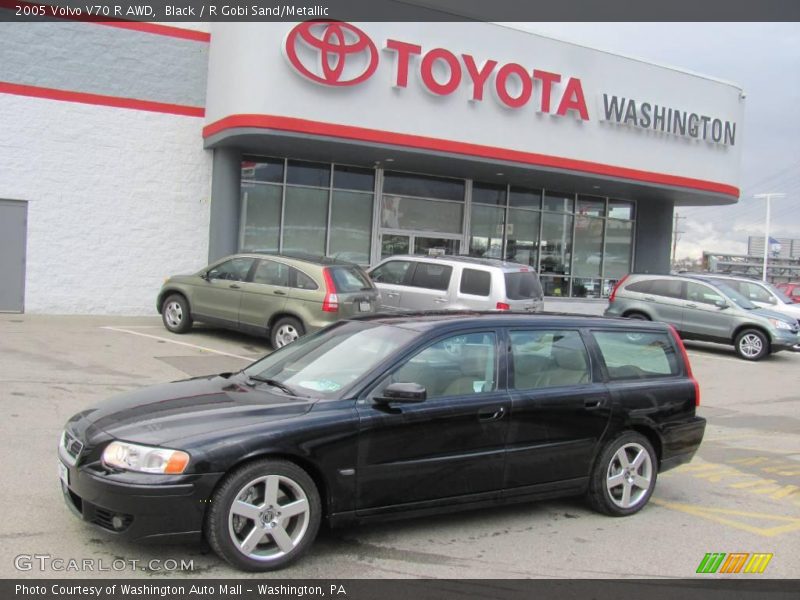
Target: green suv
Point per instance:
(283, 296)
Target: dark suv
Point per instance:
(383, 416)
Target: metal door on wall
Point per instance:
(13, 234)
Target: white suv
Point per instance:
(414, 283)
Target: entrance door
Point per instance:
(424, 244)
(13, 233)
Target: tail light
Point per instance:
(685, 356)
(331, 301)
(502, 306)
(616, 287)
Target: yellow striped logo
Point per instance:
(735, 562)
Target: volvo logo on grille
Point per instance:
(331, 53)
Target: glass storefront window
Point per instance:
(588, 288)
(555, 286)
(307, 173)
(591, 206)
(305, 220)
(558, 201)
(419, 214)
(423, 186)
(266, 170)
(489, 193)
(556, 243)
(620, 209)
(261, 206)
(588, 246)
(353, 178)
(486, 231)
(619, 243)
(522, 237)
(351, 226)
(525, 198)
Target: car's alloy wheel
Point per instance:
(264, 515)
(175, 314)
(285, 331)
(752, 345)
(624, 475)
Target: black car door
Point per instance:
(453, 443)
(559, 408)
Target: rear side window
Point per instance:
(637, 355)
(523, 286)
(669, 288)
(431, 276)
(302, 281)
(350, 279)
(269, 272)
(477, 283)
(641, 287)
(545, 359)
(392, 272)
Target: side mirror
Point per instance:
(402, 392)
(204, 275)
(721, 304)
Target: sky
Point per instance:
(764, 59)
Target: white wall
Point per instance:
(118, 200)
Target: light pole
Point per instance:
(766, 228)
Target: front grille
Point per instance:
(104, 518)
(72, 446)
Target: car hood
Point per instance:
(159, 414)
(771, 314)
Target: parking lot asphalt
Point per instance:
(740, 494)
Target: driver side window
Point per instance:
(235, 269)
(456, 366)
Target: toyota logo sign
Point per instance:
(331, 53)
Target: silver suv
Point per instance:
(412, 283)
(706, 310)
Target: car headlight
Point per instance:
(145, 459)
(780, 324)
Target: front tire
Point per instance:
(624, 476)
(284, 331)
(175, 314)
(264, 516)
(751, 344)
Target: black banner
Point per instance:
(400, 10)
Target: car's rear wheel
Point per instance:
(264, 515)
(285, 331)
(751, 344)
(624, 476)
(175, 314)
(637, 316)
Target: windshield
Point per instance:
(326, 364)
(731, 293)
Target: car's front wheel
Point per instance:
(751, 344)
(624, 476)
(175, 314)
(264, 515)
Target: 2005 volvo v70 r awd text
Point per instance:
(388, 416)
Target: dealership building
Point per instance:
(134, 151)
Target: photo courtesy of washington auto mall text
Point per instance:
(399, 299)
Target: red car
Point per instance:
(792, 290)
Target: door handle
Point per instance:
(691, 305)
(491, 414)
(440, 300)
(233, 286)
(594, 403)
(279, 292)
(649, 298)
(392, 295)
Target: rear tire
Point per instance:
(751, 344)
(624, 475)
(284, 331)
(264, 516)
(175, 314)
(637, 316)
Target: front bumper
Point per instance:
(784, 340)
(162, 508)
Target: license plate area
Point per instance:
(63, 473)
(364, 306)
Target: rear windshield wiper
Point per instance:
(274, 383)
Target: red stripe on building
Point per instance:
(144, 27)
(491, 152)
(100, 100)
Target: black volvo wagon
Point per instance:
(388, 416)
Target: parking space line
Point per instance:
(725, 358)
(724, 517)
(188, 345)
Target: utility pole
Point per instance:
(675, 234)
(769, 197)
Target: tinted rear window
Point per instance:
(477, 283)
(523, 286)
(642, 287)
(637, 355)
(669, 288)
(431, 276)
(350, 279)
